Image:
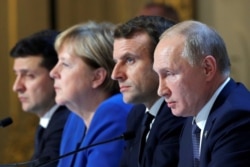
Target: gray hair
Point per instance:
(200, 41)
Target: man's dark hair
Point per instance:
(154, 26)
(38, 44)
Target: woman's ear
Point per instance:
(99, 77)
(210, 67)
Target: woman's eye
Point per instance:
(65, 64)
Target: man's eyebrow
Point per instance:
(21, 70)
(130, 55)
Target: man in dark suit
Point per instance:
(157, 142)
(34, 57)
(194, 70)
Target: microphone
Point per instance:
(5, 122)
(125, 136)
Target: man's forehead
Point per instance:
(28, 63)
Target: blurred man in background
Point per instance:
(34, 57)
(160, 9)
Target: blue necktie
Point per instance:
(196, 143)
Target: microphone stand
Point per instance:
(46, 160)
(125, 136)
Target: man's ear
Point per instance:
(99, 77)
(209, 65)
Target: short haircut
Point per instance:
(154, 26)
(38, 44)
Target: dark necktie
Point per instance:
(147, 119)
(39, 134)
(196, 143)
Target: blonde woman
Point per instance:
(83, 83)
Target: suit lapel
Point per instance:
(213, 114)
(154, 126)
(185, 152)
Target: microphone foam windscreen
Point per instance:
(5, 122)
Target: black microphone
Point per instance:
(5, 122)
(125, 136)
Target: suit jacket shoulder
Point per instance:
(109, 121)
(163, 141)
(226, 129)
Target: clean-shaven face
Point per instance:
(133, 70)
(181, 84)
(33, 85)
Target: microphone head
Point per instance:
(6, 121)
(128, 135)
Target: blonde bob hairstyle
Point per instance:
(93, 42)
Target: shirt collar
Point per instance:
(155, 108)
(44, 120)
(202, 116)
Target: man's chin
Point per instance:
(28, 110)
(130, 100)
(126, 100)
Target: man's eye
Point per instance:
(30, 76)
(169, 73)
(130, 60)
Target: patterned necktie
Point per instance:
(147, 119)
(196, 143)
